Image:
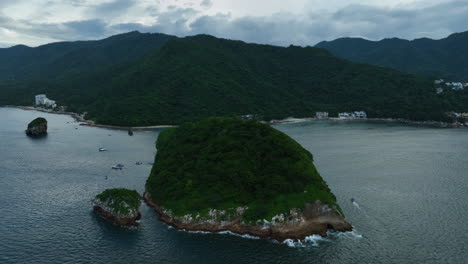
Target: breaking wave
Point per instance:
(315, 240)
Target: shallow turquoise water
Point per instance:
(410, 184)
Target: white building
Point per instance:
(360, 114)
(455, 85)
(42, 100)
(353, 115)
(439, 90)
(321, 115)
(439, 81)
(344, 115)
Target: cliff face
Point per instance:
(315, 219)
(37, 127)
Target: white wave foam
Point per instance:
(239, 235)
(312, 240)
(293, 243)
(350, 234)
(195, 232)
(315, 240)
(219, 233)
(353, 234)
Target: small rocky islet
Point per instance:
(229, 174)
(118, 205)
(37, 127)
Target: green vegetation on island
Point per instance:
(37, 122)
(229, 163)
(37, 127)
(119, 201)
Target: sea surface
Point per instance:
(410, 185)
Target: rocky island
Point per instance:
(118, 205)
(37, 127)
(228, 174)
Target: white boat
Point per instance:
(118, 167)
(102, 149)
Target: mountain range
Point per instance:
(147, 79)
(445, 58)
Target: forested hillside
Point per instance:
(195, 77)
(445, 58)
(56, 59)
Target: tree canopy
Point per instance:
(224, 163)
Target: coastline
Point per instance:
(90, 123)
(316, 219)
(438, 124)
(85, 122)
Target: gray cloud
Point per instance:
(112, 8)
(206, 3)
(308, 28)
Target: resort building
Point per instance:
(353, 115)
(42, 100)
(360, 114)
(455, 85)
(321, 115)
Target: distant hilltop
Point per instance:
(445, 58)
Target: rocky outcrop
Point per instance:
(131, 220)
(315, 219)
(37, 127)
(119, 205)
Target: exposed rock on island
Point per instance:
(120, 206)
(228, 174)
(37, 127)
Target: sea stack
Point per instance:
(37, 127)
(228, 174)
(118, 205)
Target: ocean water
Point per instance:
(410, 185)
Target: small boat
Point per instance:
(138, 163)
(118, 167)
(102, 149)
(353, 199)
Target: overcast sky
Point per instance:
(278, 22)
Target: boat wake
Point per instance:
(356, 205)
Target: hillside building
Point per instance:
(42, 100)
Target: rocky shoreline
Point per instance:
(316, 219)
(118, 220)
